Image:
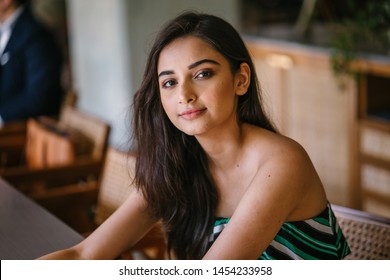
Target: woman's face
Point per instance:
(198, 90)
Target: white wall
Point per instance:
(109, 41)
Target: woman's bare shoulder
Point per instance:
(289, 171)
(271, 146)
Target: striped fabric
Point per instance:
(316, 238)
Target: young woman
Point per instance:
(211, 166)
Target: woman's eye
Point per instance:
(204, 74)
(168, 84)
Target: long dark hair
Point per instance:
(172, 168)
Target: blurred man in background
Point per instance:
(30, 65)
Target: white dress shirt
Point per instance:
(6, 28)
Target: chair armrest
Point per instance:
(67, 191)
(12, 140)
(17, 127)
(83, 169)
(354, 214)
(12, 144)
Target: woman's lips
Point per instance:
(192, 113)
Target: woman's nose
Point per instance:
(187, 94)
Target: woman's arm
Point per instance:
(123, 229)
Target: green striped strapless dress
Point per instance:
(316, 238)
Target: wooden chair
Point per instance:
(95, 130)
(368, 235)
(115, 185)
(68, 189)
(13, 137)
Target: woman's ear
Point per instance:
(243, 79)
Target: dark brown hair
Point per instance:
(172, 168)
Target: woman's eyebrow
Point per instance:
(168, 72)
(191, 66)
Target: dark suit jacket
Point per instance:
(30, 72)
